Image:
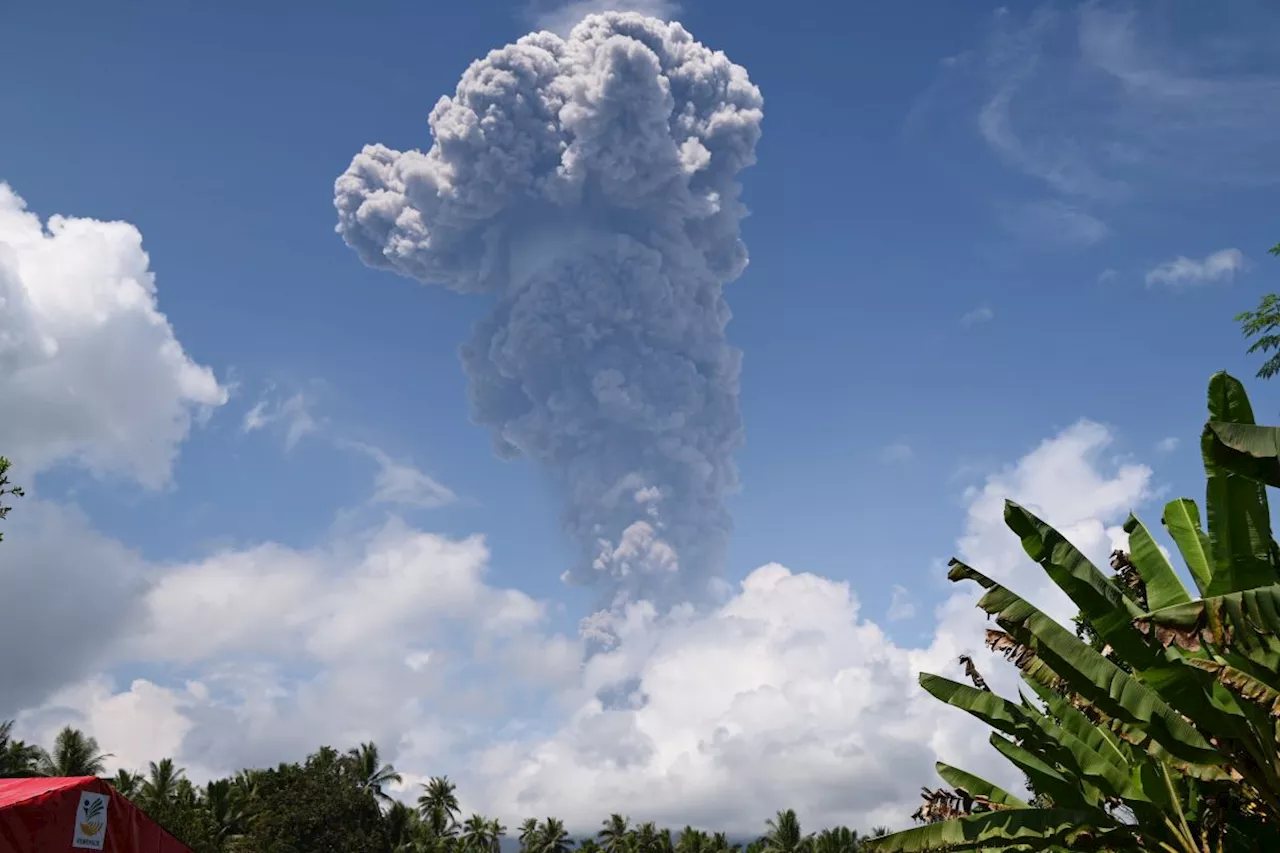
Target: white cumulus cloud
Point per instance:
(785, 694)
(560, 18)
(90, 369)
(1221, 265)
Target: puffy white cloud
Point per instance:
(787, 696)
(135, 726)
(783, 695)
(90, 370)
(561, 17)
(1221, 265)
(68, 593)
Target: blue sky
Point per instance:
(964, 238)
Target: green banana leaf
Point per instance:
(978, 787)
(1095, 678)
(1070, 718)
(1182, 519)
(1247, 450)
(1037, 829)
(1247, 621)
(1065, 790)
(991, 708)
(1239, 520)
(1108, 609)
(1164, 589)
(1243, 684)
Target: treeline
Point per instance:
(338, 802)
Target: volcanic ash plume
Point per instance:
(588, 183)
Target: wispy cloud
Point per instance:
(899, 451)
(561, 17)
(294, 412)
(1050, 222)
(1222, 265)
(1101, 107)
(1108, 275)
(976, 316)
(1167, 445)
(901, 606)
(402, 484)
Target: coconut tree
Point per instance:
(17, 758)
(496, 833)
(784, 834)
(839, 839)
(368, 766)
(528, 836)
(73, 754)
(481, 835)
(645, 838)
(161, 784)
(720, 843)
(438, 805)
(552, 837)
(1160, 734)
(665, 843)
(692, 841)
(128, 783)
(613, 833)
(402, 826)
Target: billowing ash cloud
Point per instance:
(588, 183)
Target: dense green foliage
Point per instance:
(6, 489)
(1263, 326)
(1154, 727)
(337, 803)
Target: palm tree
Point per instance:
(371, 771)
(227, 808)
(589, 845)
(784, 834)
(477, 834)
(438, 806)
(720, 843)
(645, 839)
(841, 839)
(496, 833)
(614, 833)
(552, 837)
(16, 757)
(402, 825)
(664, 842)
(692, 841)
(161, 785)
(74, 754)
(528, 834)
(128, 783)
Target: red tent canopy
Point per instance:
(63, 815)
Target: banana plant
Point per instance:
(1166, 738)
